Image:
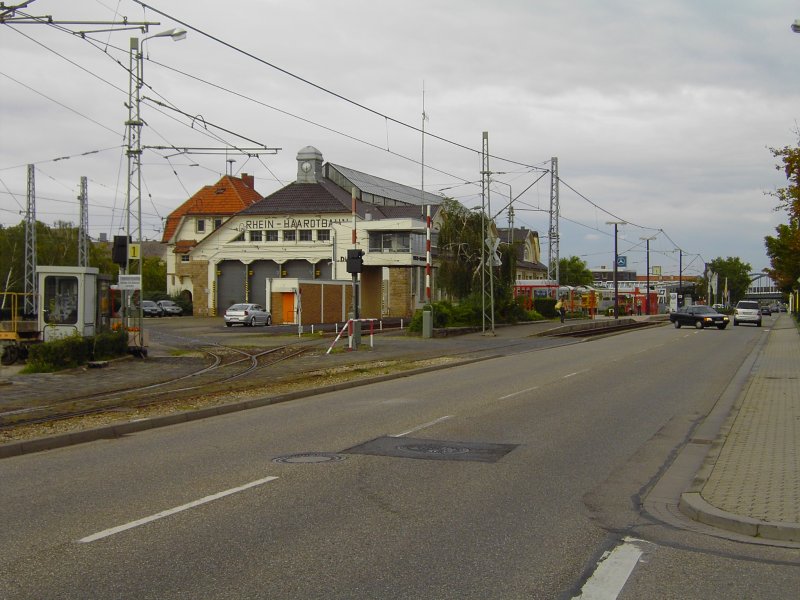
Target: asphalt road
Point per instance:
(203, 510)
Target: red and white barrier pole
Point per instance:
(428, 253)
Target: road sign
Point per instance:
(622, 261)
(130, 283)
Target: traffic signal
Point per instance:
(354, 261)
(119, 251)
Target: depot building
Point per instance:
(288, 251)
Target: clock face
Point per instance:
(306, 166)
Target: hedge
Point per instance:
(73, 351)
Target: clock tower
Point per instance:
(309, 165)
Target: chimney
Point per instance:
(249, 181)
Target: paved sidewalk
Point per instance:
(752, 485)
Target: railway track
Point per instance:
(223, 365)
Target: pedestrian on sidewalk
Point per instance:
(562, 309)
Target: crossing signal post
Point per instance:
(355, 262)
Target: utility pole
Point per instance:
(647, 289)
(31, 287)
(616, 224)
(553, 258)
(83, 229)
(680, 277)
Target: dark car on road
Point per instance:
(170, 308)
(151, 309)
(699, 316)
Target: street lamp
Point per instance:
(134, 153)
(616, 259)
(647, 289)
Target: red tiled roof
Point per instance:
(183, 246)
(226, 197)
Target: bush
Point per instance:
(66, 353)
(546, 307)
(109, 345)
(73, 351)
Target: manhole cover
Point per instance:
(402, 447)
(308, 457)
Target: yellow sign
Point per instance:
(133, 251)
(656, 270)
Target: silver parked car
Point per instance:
(247, 314)
(170, 308)
(747, 311)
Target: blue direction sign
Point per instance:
(622, 261)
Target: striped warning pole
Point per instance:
(428, 253)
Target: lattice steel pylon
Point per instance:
(30, 288)
(487, 253)
(553, 258)
(133, 218)
(83, 228)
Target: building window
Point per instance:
(217, 223)
(390, 242)
(184, 258)
(239, 238)
(271, 235)
(323, 235)
(305, 235)
(61, 299)
(256, 236)
(200, 225)
(289, 235)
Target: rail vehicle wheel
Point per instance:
(10, 355)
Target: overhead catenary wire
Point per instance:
(326, 90)
(343, 98)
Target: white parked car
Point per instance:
(747, 311)
(248, 315)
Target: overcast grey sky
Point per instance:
(660, 113)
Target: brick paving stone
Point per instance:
(757, 473)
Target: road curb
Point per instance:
(121, 429)
(698, 509)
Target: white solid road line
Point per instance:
(423, 426)
(172, 511)
(612, 572)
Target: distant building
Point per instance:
(528, 252)
(288, 251)
(603, 275)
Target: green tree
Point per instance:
(783, 249)
(784, 253)
(56, 245)
(154, 277)
(735, 272)
(573, 271)
(459, 249)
